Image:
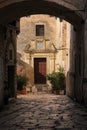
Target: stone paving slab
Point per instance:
(43, 112)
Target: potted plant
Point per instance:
(57, 80)
(21, 84)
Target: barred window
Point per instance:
(39, 30)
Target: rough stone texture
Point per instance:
(28, 36)
(7, 43)
(1, 82)
(85, 59)
(43, 112)
(49, 6)
(55, 36)
(59, 8)
(78, 4)
(1, 67)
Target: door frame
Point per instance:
(45, 59)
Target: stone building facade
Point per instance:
(74, 12)
(43, 44)
(8, 61)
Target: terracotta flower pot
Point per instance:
(56, 92)
(22, 92)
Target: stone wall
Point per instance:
(1, 67)
(55, 37)
(8, 36)
(85, 59)
(52, 7)
(49, 6)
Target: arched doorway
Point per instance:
(65, 10)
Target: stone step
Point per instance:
(42, 87)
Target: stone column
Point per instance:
(85, 62)
(75, 74)
(85, 49)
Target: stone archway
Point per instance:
(68, 10)
(73, 12)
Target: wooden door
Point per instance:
(40, 70)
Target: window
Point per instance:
(39, 30)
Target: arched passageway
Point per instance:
(71, 12)
(10, 13)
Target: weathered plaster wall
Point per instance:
(55, 36)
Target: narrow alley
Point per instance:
(43, 112)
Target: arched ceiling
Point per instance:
(70, 10)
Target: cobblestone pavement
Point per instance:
(43, 112)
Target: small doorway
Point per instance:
(40, 70)
(11, 88)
